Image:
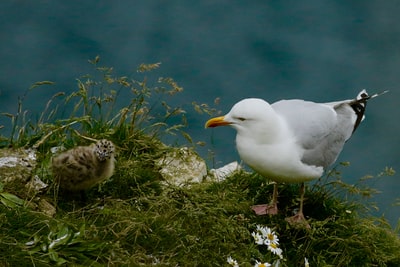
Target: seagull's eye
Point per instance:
(241, 118)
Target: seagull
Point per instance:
(292, 141)
(82, 167)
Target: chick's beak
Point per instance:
(217, 121)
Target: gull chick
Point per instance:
(82, 167)
(292, 141)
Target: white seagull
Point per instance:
(292, 141)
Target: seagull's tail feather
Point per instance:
(360, 103)
(363, 95)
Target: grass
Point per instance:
(135, 220)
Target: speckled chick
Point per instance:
(84, 166)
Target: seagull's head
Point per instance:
(250, 114)
(104, 149)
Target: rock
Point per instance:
(17, 165)
(224, 172)
(36, 185)
(182, 166)
(17, 174)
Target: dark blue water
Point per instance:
(315, 50)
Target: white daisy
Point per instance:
(232, 262)
(275, 249)
(263, 230)
(258, 239)
(270, 237)
(260, 264)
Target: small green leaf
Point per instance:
(10, 200)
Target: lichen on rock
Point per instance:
(17, 165)
(182, 166)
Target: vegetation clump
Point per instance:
(134, 219)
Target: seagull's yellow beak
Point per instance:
(217, 121)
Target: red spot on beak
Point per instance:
(218, 121)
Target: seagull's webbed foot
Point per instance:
(270, 209)
(264, 209)
(298, 220)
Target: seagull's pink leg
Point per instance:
(272, 208)
(299, 219)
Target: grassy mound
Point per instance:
(135, 220)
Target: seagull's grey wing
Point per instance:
(318, 128)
